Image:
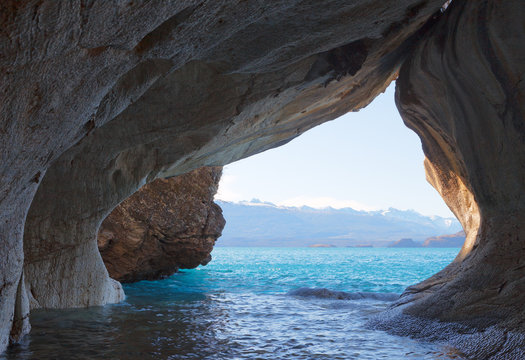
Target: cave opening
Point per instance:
(271, 272)
(367, 161)
(162, 265)
(460, 90)
(364, 169)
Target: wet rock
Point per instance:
(166, 225)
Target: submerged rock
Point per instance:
(166, 225)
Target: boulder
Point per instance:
(166, 225)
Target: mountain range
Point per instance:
(257, 223)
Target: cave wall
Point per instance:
(204, 112)
(462, 92)
(102, 98)
(168, 224)
(156, 89)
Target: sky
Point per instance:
(366, 160)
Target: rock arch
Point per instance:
(104, 98)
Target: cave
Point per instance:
(101, 99)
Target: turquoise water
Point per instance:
(249, 303)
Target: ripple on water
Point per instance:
(234, 309)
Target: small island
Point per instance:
(405, 243)
(444, 241)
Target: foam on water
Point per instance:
(250, 304)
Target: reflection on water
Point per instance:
(127, 331)
(209, 314)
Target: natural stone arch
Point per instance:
(202, 113)
(163, 90)
(69, 67)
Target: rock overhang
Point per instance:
(107, 97)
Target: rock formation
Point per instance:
(166, 225)
(152, 90)
(188, 90)
(100, 98)
(462, 92)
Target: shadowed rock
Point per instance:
(166, 225)
(101, 98)
(462, 92)
(459, 92)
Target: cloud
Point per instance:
(226, 191)
(229, 190)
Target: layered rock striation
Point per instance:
(101, 98)
(462, 92)
(166, 225)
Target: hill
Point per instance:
(454, 240)
(405, 243)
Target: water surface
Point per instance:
(249, 303)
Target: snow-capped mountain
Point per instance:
(257, 223)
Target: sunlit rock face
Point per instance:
(462, 91)
(166, 225)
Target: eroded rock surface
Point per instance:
(166, 225)
(185, 86)
(463, 92)
(100, 98)
(150, 90)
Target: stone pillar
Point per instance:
(14, 309)
(463, 92)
